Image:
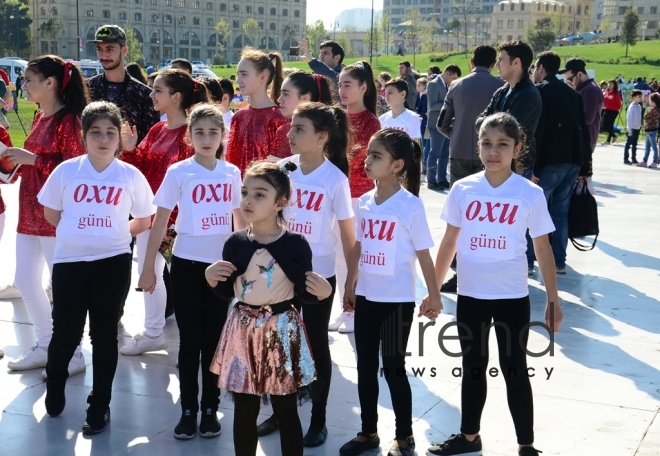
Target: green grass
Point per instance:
(26, 113)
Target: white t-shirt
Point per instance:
(95, 208)
(491, 246)
(390, 234)
(317, 200)
(206, 199)
(407, 121)
(226, 117)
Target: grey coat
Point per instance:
(435, 97)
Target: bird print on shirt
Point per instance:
(247, 286)
(267, 272)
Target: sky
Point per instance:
(328, 9)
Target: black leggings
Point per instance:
(608, 123)
(246, 411)
(511, 319)
(387, 323)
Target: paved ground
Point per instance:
(601, 397)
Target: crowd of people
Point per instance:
(251, 223)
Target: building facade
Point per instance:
(648, 10)
(170, 28)
(511, 18)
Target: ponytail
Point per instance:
(277, 77)
(401, 147)
(192, 92)
(362, 72)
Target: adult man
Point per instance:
(408, 75)
(436, 163)
(330, 58)
(467, 98)
(116, 85)
(562, 147)
(182, 64)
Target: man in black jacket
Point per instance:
(562, 147)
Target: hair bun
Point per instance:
(289, 166)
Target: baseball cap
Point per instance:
(110, 34)
(575, 64)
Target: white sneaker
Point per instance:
(142, 343)
(341, 318)
(76, 366)
(32, 358)
(348, 326)
(9, 292)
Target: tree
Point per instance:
(541, 37)
(629, 28)
(465, 9)
(414, 20)
(386, 26)
(53, 30)
(222, 32)
(428, 33)
(344, 41)
(252, 31)
(135, 53)
(315, 34)
(373, 40)
(559, 21)
(606, 26)
(15, 32)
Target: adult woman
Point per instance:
(611, 107)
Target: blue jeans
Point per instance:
(426, 146)
(651, 141)
(438, 158)
(558, 182)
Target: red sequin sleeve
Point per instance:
(6, 140)
(364, 125)
(67, 144)
(283, 148)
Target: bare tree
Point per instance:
(53, 30)
(465, 9)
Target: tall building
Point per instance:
(648, 10)
(511, 18)
(397, 8)
(356, 19)
(170, 28)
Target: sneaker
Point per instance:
(32, 358)
(76, 366)
(209, 426)
(9, 292)
(456, 444)
(354, 447)
(187, 427)
(341, 318)
(55, 398)
(98, 417)
(142, 343)
(653, 165)
(529, 451)
(561, 270)
(349, 325)
(530, 270)
(396, 450)
(451, 285)
(642, 164)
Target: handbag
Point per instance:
(582, 217)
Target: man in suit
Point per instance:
(408, 74)
(438, 158)
(467, 98)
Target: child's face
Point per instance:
(258, 202)
(36, 87)
(394, 98)
(102, 139)
(303, 138)
(421, 87)
(161, 97)
(379, 163)
(637, 99)
(290, 98)
(249, 81)
(206, 136)
(351, 92)
(497, 150)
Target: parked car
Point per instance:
(570, 39)
(203, 72)
(199, 64)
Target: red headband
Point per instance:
(317, 78)
(195, 86)
(68, 67)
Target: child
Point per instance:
(92, 255)
(59, 88)
(227, 113)
(399, 117)
(254, 128)
(492, 279)
(263, 348)
(298, 87)
(357, 91)
(207, 193)
(633, 126)
(421, 110)
(392, 233)
(651, 124)
(174, 93)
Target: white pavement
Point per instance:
(601, 397)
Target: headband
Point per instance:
(195, 86)
(317, 78)
(66, 77)
(359, 64)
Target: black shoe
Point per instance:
(434, 186)
(98, 417)
(529, 451)
(267, 427)
(55, 398)
(456, 444)
(634, 161)
(627, 162)
(209, 426)
(354, 448)
(315, 437)
(396, 450)
(450, 285)
(187, 427)
(444, 185)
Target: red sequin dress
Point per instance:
(160, 149)
(6, 140)
(283, 148)
(52, 143)
(253, 135)
(364, 125)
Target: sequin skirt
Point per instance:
(264, 350)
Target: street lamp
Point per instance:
(18, 36)
(447, 37)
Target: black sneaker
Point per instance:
(267, 427)
(187, 427)
(396, 450)
(209, 426)
(55, 398)
(455, 445)
(451, 285)
(354, 447)
(98, 417)
(529, 451)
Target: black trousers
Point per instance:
(387, 323)
(510, 318)
(608, 123)
(94, 287)
(631, 141)
(200, 316)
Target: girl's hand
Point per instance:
(147, 280)
(219, 272)
(553, 315)
(431, 307)
(19, 156)
(128, 136)
(317, 285)
(349, 299)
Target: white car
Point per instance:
(199, 64)
(203, 72)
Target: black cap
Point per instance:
(110, 34)
(575, 64)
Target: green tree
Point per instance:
(414, 20)
(252, 31)
(53, 30)
(315, 34)
(541, 36)
(135, 53)
(560, 23)
(466, 9)
(629, 28)
(15, 32)
(345, 42)
(606, 26)
(428, 35)
(375, 38)
(222, 32)
(386, 26)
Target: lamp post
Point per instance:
(334, 30)
(447, 37)
(18, 37)
(371, 38)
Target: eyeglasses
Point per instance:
(532, 69)
(571, 78)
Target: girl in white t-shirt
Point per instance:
(487, 215)
(392, 234)
(208, 193)
(396, 91)
(89, 199)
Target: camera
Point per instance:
(293, 51)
